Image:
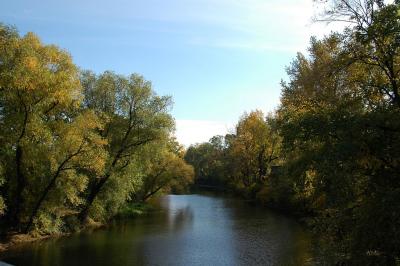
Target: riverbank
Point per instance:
(14, 240)
(133, 210)
(296, 212)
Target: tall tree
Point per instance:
(40, 97)
(208, 161)
(133, 116)
(372, 42)
(341, 149)
(163, 168)
(254, 149)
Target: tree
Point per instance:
(133, 116)
(208, 160)
(69, 151)
(78, 150)
(254, 149)
(240, 161)
(341, 155)
(46, 140)
(163, 168)
(2, 203)
(373, 43)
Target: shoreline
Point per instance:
(15, 240)
(19, 240)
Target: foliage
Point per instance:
(70, 139)
(2, 203)
(130, 210)
(163, 168)
(134, 116)
(46, 139)
(207, 160)
(335, 135)
(254, 149)
(241, 161)
(77, 145)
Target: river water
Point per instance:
(200, 229)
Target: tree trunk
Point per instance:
(93, 193)
(21, 180)
(39, 204)
(152, 193)
(15, 215)
(50, 186)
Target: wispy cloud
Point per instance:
(196, 131)
(250, 45)
(258, 25)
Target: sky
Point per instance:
(216, 58)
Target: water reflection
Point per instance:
(267, 238)
(187, 230)
(180, 213)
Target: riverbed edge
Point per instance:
(15, 240)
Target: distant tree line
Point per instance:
(76, 146)
(331, 151)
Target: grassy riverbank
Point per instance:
(132, 210)
(13, 240)
(127, 211)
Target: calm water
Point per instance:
(186, 230)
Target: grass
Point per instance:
(131, 210)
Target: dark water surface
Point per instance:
(186, 230)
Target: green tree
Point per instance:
(133, 116)
(341, 149)
(253, 150)
(46, 140)
(2, 203)
(372, 42)
(208, 161)
(163, 168)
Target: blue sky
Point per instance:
(217, 58)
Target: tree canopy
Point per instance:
(71, 139)
(330, 153)
(77, 146)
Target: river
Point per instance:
(199, 229)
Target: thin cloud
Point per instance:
(190, 132)
(256, 46)
(258, 25)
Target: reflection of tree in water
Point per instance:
(264, 237)
(183, 230)
(180, 218)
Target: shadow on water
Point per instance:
(200, 229)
